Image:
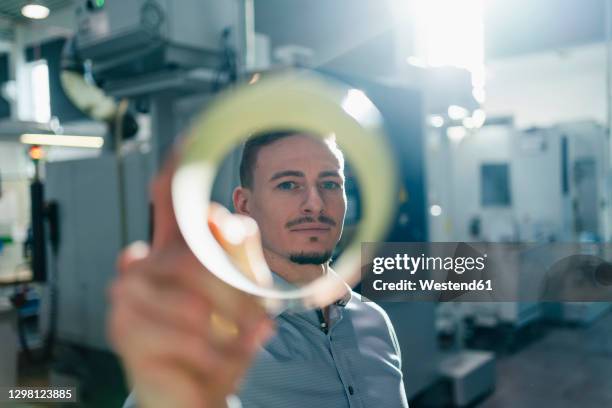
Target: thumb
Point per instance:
(239, 236)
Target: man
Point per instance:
(345, 355)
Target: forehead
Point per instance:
(299, 152)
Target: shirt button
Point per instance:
(350, 389)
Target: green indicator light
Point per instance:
(99, 3)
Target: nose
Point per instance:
(313, 202)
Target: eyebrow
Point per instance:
(329, 173)
(287, 173)
(295, 173)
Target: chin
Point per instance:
(311, 249)
(310, 257)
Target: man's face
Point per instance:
(298, 198)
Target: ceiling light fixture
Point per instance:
(62, 140)
(35, 10)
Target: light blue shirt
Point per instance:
(356, 364)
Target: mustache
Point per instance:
(323, 219)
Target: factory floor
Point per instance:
(567, 367)
(98, 375)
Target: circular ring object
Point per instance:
(297, 100)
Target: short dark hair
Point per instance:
(251, 148)
(259, 140)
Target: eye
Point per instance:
(330, 185)
(287, 185)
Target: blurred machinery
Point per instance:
(125, 39)
(157, 59)
(537, 185)
(156, 53)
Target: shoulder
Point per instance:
(367, 308)
(375, 317)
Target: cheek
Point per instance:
(336, 205)
(271, 215)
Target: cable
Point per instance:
(18, 300)
(228, 65)
(53, 294)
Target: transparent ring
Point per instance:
(297, 100)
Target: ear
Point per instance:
(241, 197)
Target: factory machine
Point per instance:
(540, 185)
(152, 64)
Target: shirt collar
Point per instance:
(281, 283)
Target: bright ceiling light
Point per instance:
(357, 104)
(447, 33)
(468, 123)
(456, 112)
(479, 117)
(479, 94)
(416, 62)
(435, 210)
(436, 121)
(456, 133)
(35, 11)
(95, 142)
(451, 33)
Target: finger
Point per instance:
(142, 341)
(178, 267)
(183, 310)
(139, 339)
(137, 251)
(147, 345)
(239, 237)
